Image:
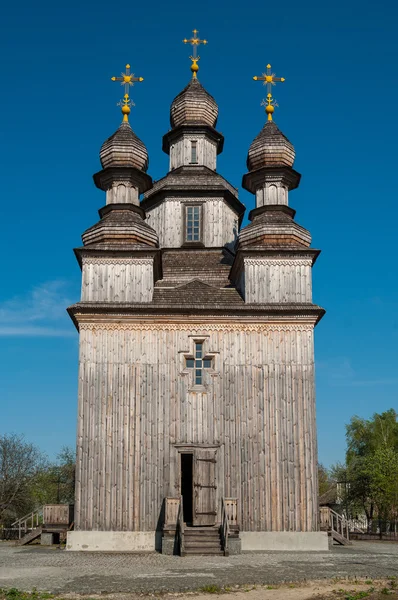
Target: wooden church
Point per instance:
(196, 410)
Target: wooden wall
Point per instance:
(121, 279)
(122, 193)
(277, 280)
(271, 193)
(137, 409)
(206, 150)
(220, 222)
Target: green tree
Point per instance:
(20, 463)
(371, 474)
(324, 481)
(55, 484)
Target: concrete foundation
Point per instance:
(306, 541)
(111, 541)
(47, 539)
(169, 545)
(234, 546)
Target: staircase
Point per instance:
(30, 536)
(29, 527)
(336, 525)
(202, 540)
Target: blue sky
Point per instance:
(337, 106)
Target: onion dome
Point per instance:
(124, 149)
(270, 149)
(193, 106)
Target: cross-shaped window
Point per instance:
(198, 363)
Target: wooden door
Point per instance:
(204, 485)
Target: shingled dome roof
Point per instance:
(193, 106)
(270, 149)
(124, 149)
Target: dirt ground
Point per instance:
(344, 589)
(349, 572)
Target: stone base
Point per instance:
(111, 541)
(284, 541)
(234, 546)
(47, 539)
(169, 545)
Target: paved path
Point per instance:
(58, 571)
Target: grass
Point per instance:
(211, 589)
(15, 594)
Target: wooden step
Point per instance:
(189, 551)
(199, 534)
(29, 537)
(199, 538)
(203, 541)
(207, 544)
(202, 529)
(340, 539)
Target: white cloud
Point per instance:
(41, 312)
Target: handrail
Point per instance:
(339, 524)
(180, 525)
(22, 523)
(224, 526)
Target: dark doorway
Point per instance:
(187, 485)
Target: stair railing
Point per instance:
(224, 526)
(339, 524)
(180, 527)
(28, 522)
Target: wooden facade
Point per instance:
(196, 364)
(137, 412)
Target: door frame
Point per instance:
(190, 449)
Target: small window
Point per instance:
(192, 223)
(198, 363)
(194, 153)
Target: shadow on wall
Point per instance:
(159, 528)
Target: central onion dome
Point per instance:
(193, 106)
(124, 149)
(270, 149)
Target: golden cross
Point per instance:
(127, 79)
(269, 80)
(195, 41)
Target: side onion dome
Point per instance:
(124, 149)
(270, 149)
(193, 106)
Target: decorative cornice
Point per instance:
(194, 329)
(278, 262)
(101, 260)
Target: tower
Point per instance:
(196, 364)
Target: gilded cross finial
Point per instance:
(127, 79)
(195, 41)
(269, 80)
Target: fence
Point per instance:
(9, 533)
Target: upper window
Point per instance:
(192, 223)
(194, 152)
(198, 363)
